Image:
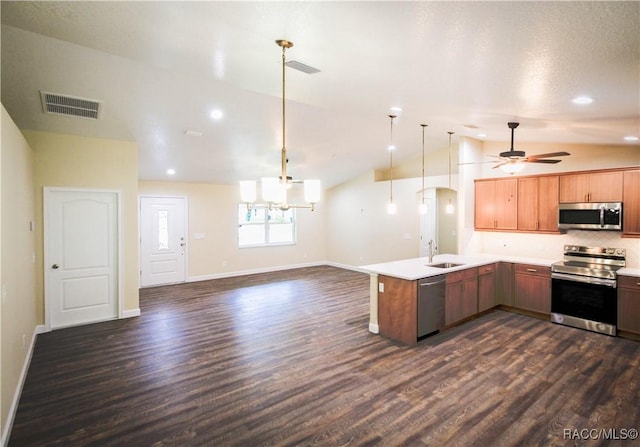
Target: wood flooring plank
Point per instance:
(286, 359)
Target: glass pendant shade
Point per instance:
(422, 209)
(248, 191)
(449, 208)
(272, 190)
(512, 167)
(312, 191)
(391, 208)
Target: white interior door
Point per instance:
(162, 240)
(81, 260)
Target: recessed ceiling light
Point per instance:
(193, 133)
(171, 171)
(582, 100)
(482, 135)
(396, 109)
(631, 138)
(216, 114)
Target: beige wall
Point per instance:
(359, 230)
(213, 212)
(19, 317)
(72, 161)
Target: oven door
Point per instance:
(583, 303)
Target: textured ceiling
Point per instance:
(469, 67)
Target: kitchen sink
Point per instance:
(444, 265)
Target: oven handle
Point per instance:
(586, 279)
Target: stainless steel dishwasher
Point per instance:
(431, 301)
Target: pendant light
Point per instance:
(422, 208)
(391, 206)
(449, 209)
(274, 189)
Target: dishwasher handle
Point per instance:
(424, 284)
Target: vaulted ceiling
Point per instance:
(160, 68)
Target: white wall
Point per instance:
(213, 212)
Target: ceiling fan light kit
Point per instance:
(274, 189)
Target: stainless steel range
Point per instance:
(583, 288)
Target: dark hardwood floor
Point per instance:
(286, 359)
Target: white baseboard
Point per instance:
(254, 271)
(373, 328)
(354, 268)
(8, 424)
(130, 313)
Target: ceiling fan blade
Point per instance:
(476, 162)
(552, 154)
(544, 160)
(500, 164)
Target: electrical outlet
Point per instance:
(381, 287)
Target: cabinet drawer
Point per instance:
(629, 282)
(529, 269)
(485, 269)
(461, 274)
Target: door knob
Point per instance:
(55, 266)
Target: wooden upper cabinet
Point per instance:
(538, 203)
(507, 204)
(496, 204)
(631, 204)
(591, 187)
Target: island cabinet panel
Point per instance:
(398, 309)
(461, 295)
(504, 283)
(532, 288)
(629, 304)
(631, 204)
(486, 287)
(591, 187)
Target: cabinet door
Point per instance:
(605, 187)
(485, 204)
(528, 203)
(504, 283)
(486, 290)
(629, 310)
(631, 203)
(506, 195)
(574, 188)
(548, 203)
(533, 293)
(454, 302)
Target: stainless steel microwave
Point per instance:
(590, 216)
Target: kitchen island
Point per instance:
(471, 288)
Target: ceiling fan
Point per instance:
(513, 161)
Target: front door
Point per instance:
(162, 240)
(81, 259)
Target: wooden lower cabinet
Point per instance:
(629, 304)
(486, 287)
(504, 283)
(461, 295)
(532, 288)
(398, 309)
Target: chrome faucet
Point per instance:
(431, 250)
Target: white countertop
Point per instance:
(417, 268)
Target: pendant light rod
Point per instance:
(423, 127)
(391, 149)
(274, 190)
(450, 133)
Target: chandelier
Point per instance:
(274, 189)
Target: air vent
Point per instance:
(296, 65)
(70, 105)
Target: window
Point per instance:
(262, 226)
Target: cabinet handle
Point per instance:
(531, 270)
